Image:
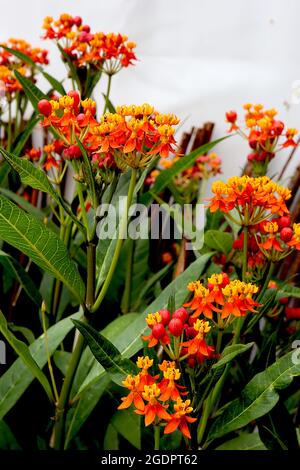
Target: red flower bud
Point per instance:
(284, 221)
(76, 97)
(86, 28)
(77, 20)
(73, 152)
(45, 107)
(284, 300)
(158, 331)
(176, 327)
(181, 313)
(277, 128)
(190, 332)
(292, 313)
(286, 234)
(165, 316)
(191, 362)
(231, 116)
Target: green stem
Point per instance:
(245, 250)
(107, 93)
(203, 420)
(219, 341)
(9, 128)
(122, 232)
(156, 437)
(83, 210)
(60, 415)
(128, 278)
(91, 258)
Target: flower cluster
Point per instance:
(171, 330)
(153, 395)
(272, 240)
(108, 52)
(225, 298)
(263, 133)
(9, 62)
(255, 199)
(131, 137)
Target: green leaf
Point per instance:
(106, 353)
(230, 352)
(61, 360)
(219, 241)
(30, 175)
(56, 85)
(7, 439)
(258, 397)
(18, 377)
(245, 441)
(73, 71)
(111, 440)
(19, 274)
(22, 138)
(25, 332)
(128, 424)
(288, 291)
(33, 93)
(39, 243)
(166, 176)
(23, 352)
(88, 173)
(91, 82)
(110, 106)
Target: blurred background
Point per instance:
(198, 58)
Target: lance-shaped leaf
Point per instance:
(23, 352)
(25, 58)
(18, 377)
(220, 241)
(22, 138)
(106, 353)
(19, 274)
(166, 176)
(33, 93)
(31, 237)
(230, 352)
(258, 397)
(32, 176)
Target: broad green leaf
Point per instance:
(230, 352)
(19, 274)
(70, 64)
(33, 93)
(166, 176)
(22, 138)
(245, 441)
(91, 82)
(83, 407)
(56, 85)
(258, 397)
(89, 368)
(128, 424)
(38, 214)
(30, 175)
(277, 429)
(61, 360)
(18, 377)
(219, 241)
(39, 243)
(7, 439)
(106, 353)
(23, 352)
(25, 332)
(111, 440)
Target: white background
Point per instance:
(197, 58)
